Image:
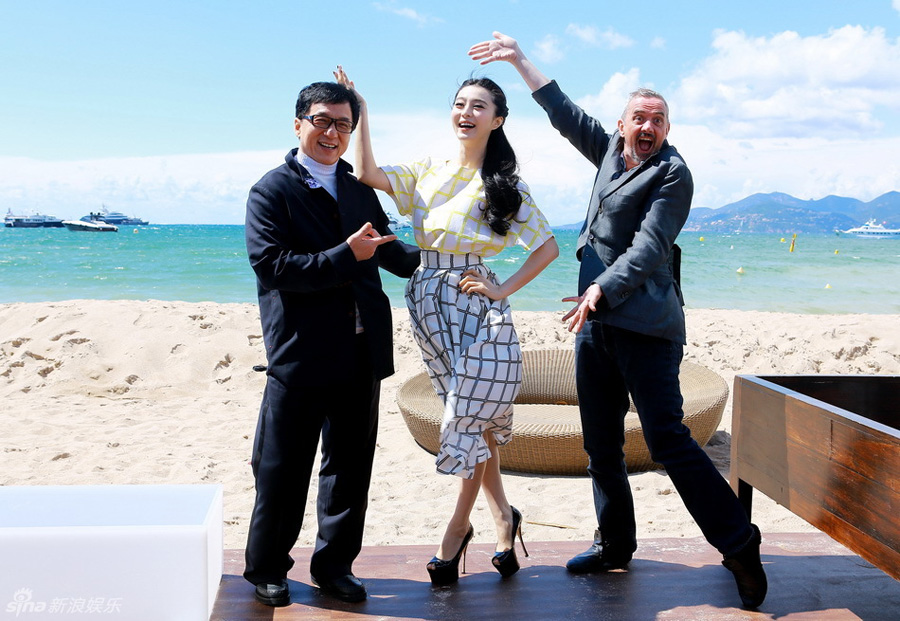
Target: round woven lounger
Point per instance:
(546, 425)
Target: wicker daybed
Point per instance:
(546, 425)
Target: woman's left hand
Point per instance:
(473, 282)
(340, 76)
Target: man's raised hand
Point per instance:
(501, 47)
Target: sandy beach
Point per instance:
(127, 392)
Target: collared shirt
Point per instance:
(622, 166)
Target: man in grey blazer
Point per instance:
(630, 325)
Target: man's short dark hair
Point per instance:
(326, 93)
(647, 94)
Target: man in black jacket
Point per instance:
(316, 238)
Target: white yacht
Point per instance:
(872, 230)
(90, 225)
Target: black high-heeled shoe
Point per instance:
(506, 562)
(445, 572)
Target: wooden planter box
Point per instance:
(828, 449)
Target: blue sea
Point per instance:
(824, 274)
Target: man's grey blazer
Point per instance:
(633, 218)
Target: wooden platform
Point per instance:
(810, 577)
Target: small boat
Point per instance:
(397, 224)
(872, 230)
(90, 225)
(116, 218)
(34, 221)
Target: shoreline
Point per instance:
(824, 275)
(151, 392)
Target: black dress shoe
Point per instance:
(273, 593)
(347, 588)
(601, 556)
(748, 571)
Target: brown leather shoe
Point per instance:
(748, 571)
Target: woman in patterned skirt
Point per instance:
(462, 210)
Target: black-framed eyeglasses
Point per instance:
(324, 122)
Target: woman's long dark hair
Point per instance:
(500, 170)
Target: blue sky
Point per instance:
(171, 110)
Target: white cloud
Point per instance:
(393, 143)
(658, 43)
(607, 39)
(213, 188)
(552, 49)
(896, 5)
(166, 190)
(607, 105)
(788, 85)
(406, 12)
(726, 168)
(548, 49)
(559, 177)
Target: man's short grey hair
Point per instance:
(648, 94)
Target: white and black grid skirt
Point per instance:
(473, 357)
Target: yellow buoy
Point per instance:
(836, 251)
(740, 270)
(702, 238)
(782, 240)
(793, 239)
(827, 286)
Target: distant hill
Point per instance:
(782, 213)
(575, 226)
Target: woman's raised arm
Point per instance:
(365, 167)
